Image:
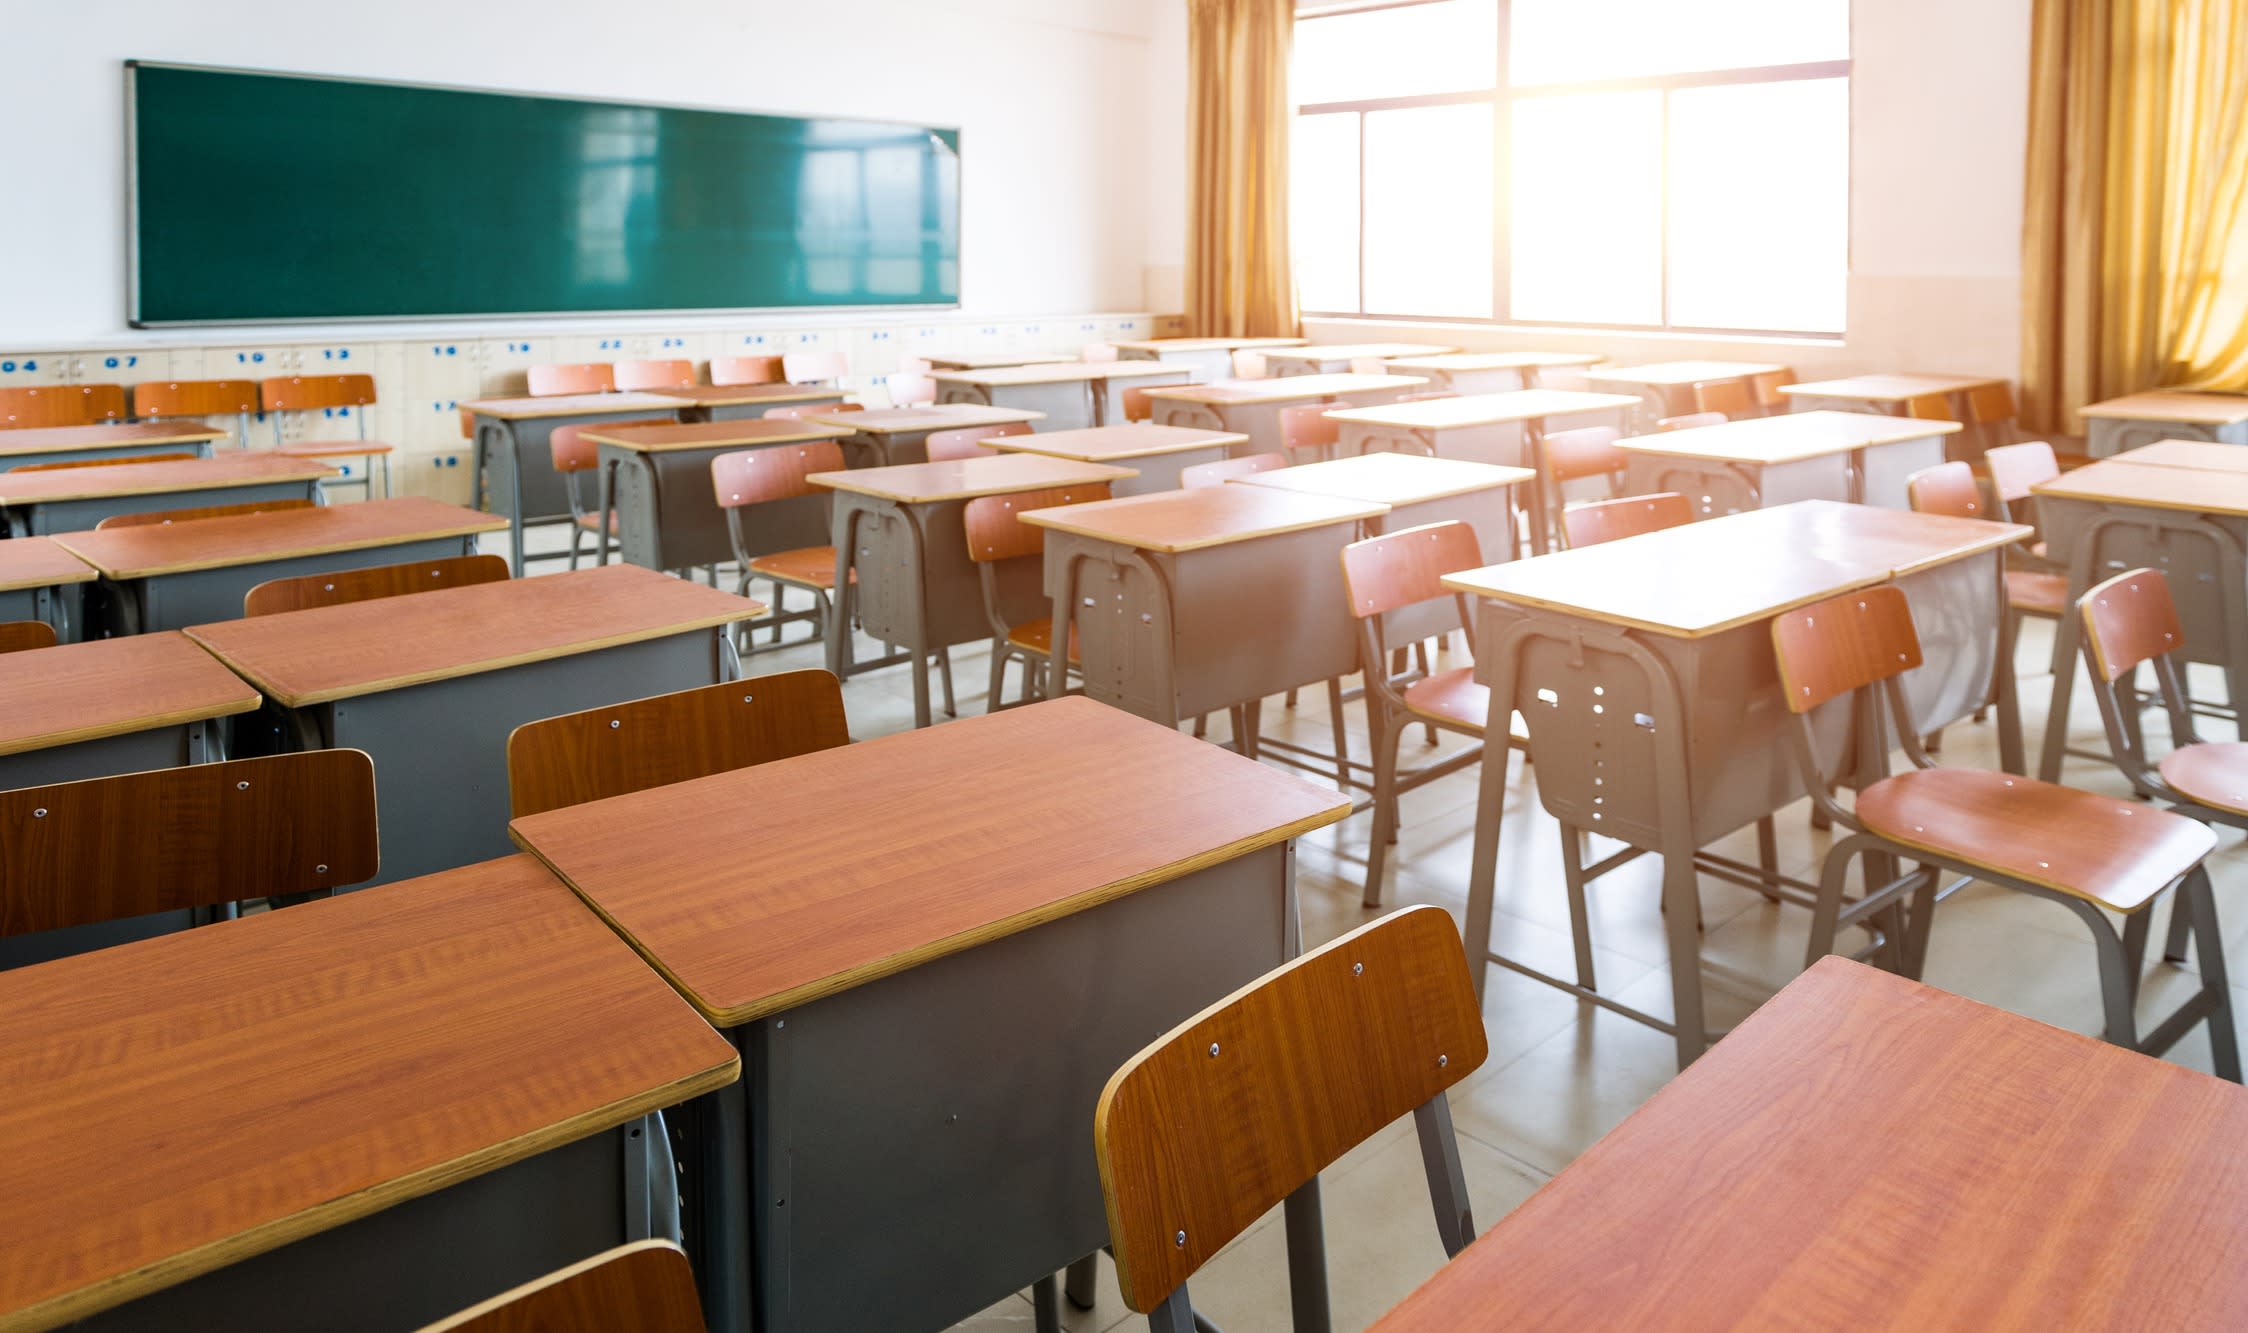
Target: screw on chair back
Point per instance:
(1588, 451)
(366, 585)
(1929, 407)
(2016, 470)
(1628, 516)
(738, 370)
(61, 405)
(1690, 421)
(1138, 406)
(1099, 353)
(946, 446)
(17, 636)
(1949, 489)
(644, 1287)
(910, 388)
(1240, 1107)
(631, 375)
(1308, 427)
(584, 377)
(1843, 644)
(104, 462)
(643, 743)
(1226, 469)
(159, 517)
(309, 393)
(1765, 387)
(1727, 398)
(164, 400)
(814, 367)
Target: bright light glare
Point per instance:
(1323, 211)
(1575, 41)
(1446, 47)
(1760, 206)
(1428, 211)
(1587, 243)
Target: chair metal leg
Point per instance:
(998, 683)
(2118, 988)
(1580, 920)
(1829, 910)
(2197, 898)
(1307, 1258)
(2174, 944)
(1420, 654)
(1385, 805)
(944, 668)
(1342, 735)
(2136, 928)
(1174, 1315)
(1447, 1182)
(1767, 846)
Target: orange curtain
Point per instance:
(2135, 233)
(1238, 283)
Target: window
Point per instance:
(1662, 164)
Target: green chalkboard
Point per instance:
(272, 197)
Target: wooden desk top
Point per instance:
(1705, 578)
(326, 653)
(62, 439)
(2119, 480)
(1072, 804)
(1684, 372)
(1494, 360)
(991, 360)
(181, 477)
(1865, 1151)
(1284, 389)
(1786, 438)
(1889, 388)
(729, 395)
(575, 405)
(1317, 353)
(1138, 439)
(1484, 409)
(2197, 409)
(1162, 345)
(1175, 521)
(109, 687)
(1057, 373)
(181, 1103)
(39, 562)
(967, 478)
(1390, 479)
(2201, 455)
(749, 432)
(930, 417)
(241, 539)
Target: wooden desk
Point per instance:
(1866, 1151)
(431, 685)
(1072, 395)
(38, 503)
(1764, 461)
(356, 1114)
(2142, 418)
(86, 710)
(171, 575)
(893, 436)
(77, 444)
(1486, 372)
(1252, 407)
(1209, 358)
(992, 360)
(1157, 454)
(515, 474)
(900, 530)
(657, 478)
(1886, 395)
(39, 580)
(1336, 358)
(1666, 388)
(2199, 455)
(740, 402)
(932, 997)
(1644, 671)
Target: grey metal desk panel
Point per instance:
(514, 463)
(49, 516)
(196, 597)
(1065, 404)
(48, 586)
(1717, 487)
(85, 444)
(1259, 419)
(668, 515)
(2125, 423)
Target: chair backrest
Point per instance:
(1248, 365)
(551, 381)
(995, 530)
(1226, 469)
(908, 388)
(1990, 403)
(775, 472)
(2130, 619)
(200, 835)
(304, 393)
(158, 517)
(737, 370)
(1138, 406)
(160, 400)
(644, 1287)
(1229, 1113)
(1308, 427)
(366, 585)
(18, 636)
(1406, 567)
(571, 451)
(104, 462)
(645, 743)
(1099, 353)
(1728, 398)
(1691, 421)
(1628, 516)
(2016, 469)
(1588, 451)
(1929, 407)
(814, 367)
(1765, 387)
(1946, 488)
(61, 405)
(631, 375)
(1842, 644)
(967, 441)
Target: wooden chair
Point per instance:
(655, 742)
(996, 535)
(1138, 406)
(1765, 386)
(2016, 470)
(1990, 408)
(1226, 469)
(1099, 353)
(1951, 489)
(1691, 421)
(947, 446)
(814, 367)
(1929, 407)
(159, 517)
(1728, 398)
(104, 462)
(552, 381)
(350, 395)
(1628, 516)
(1248, 365)
(172, 400)
(764, 476)
(644, 1287)
(573, 454)
(2093, 854)
(1243, 1105)
(910, 388)
(738, 370)
(652, 375)
(803, 411)
(17, 636)
(1309, 430)
(1579, 455)
(306, 591)
(61, 405)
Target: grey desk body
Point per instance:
(515, 476)
(904, 1153)
(90, 453)
(59, 605)
(2107, 436)
(1160, 472)
(1488, 379)
(200, 596)
(1204, 364)
(50, 516)
(668, 515)
(1260, 421)
(888, 448)
(1656, 401)
(1717, 487)
(1068, 404)
(1507, 443)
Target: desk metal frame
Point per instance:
(514, 468)
(48, 602)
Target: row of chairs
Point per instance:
(807, 367)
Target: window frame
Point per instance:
(1502, 96)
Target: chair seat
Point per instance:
(2118, 854)
(2215, 773)
(1037, 636)
(806, 567)
(2038, 593)
(333, 449)
(1452, 697)
(592, 522)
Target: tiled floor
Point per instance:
(1562, 1073)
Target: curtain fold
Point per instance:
(1238, 281)
(2135, 218)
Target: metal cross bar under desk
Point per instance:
(82, 444)
(1760, 462)
(895, 436)
(1253, 407)
(1156, 454)
(1210, 359)
(72, 499)
(514, 464)
(41, 580)
(928, 1003)
(431, 685)
(1666, 388)
(1071, 396)
(657, 481)
(2125, 423)
(1486, 372)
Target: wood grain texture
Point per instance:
(1831, 647)
(167, 517)
(1227, 1114)
(641, 438)
(644, 1287)
(1391, 479)
(994, 526)
(312, 1066)
(181, 475)
(1100, 444)
(154, 399)
(63, 439)
(643, 743)
(1665, 373)
(669, 374)
(736, 371)
(2200, 409)
(760, 476)
(43, 405)
(1401, 568)
(986, 827)
(1599, 521)
(214, 543)
(1946, 488)
(1190, 520)
(201, 834)
(929, 417)
(2120, 481)
(2202, 455)
(1286, 389)
(1786, 438)
(1868, 1152)
(1887, 388)
(39, 562)
(574, 405)
(340, 652)
(1484, 409)
(365, 585)
(304, 393)
(2130, 619)
(554, 381)
(23, 636)
(964, 479)
(73, 692)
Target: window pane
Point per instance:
(1760, 206)
(1428, 211)
(1576, 41)
(1323, 211)
(1448, 47)
(1587, 228)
